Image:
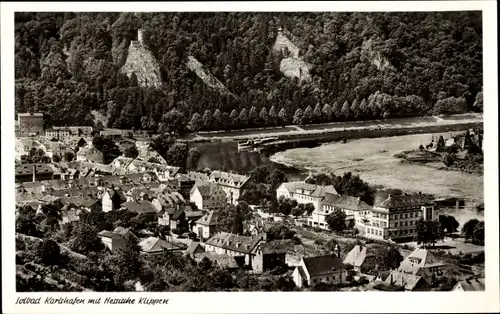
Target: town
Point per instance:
(103, 210)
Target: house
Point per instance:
(147, 154)
(90, 153)
(396, 217)
(125, 165)
(33, 172)
(69, 214)
(313, 270)
(112, 199)
(423, 263)
(167, 200)
(240, 247)
(153, 245)
(23, 146)
(183, 184)
(59, 149)
(205, 226)
(86, 203)
(208, 195)
(355, 209)
(356, 257)
(269, 255)
(140, 207)
(30, 123)
(410, 282)
(305, 193)
(470, 284)
(233, 184)
(81, 130)
(116, 239)
(193, 249)
(175, 217)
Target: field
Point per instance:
(373, 159)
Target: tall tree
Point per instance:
(298, 117)
(318, 114)
(327, 113)
(196, 122)
(345, 112)
(273, 115)
(283, 116)
(207, 120)
(264, 118)
(253, 116)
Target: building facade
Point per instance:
(396, 217)
(30, 123)
(305, 193)
(208, 195)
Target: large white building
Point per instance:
(355, 209)
(305, 193)
(396, 216)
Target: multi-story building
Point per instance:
(396, 217)
(90, 153)
(305, 193)
(208, 195)
(30, 123)
(355, 209)
(33, 172)
(59, 133)
(233, 184)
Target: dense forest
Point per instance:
(362, 66)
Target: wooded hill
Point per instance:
(362, 66)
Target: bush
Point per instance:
(50, 253)
(448, 159)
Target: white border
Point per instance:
(270, 302)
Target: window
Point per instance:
(411, 215)
(406, 223)
(406, 215)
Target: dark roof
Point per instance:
(275, 247)
(206, 188)
(27, 169)
(208, 220)
(320, 265)
(346, 202)
(234, 242)
(404, 200)
(140, 207)
(178, 213)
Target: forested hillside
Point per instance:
(362, 66)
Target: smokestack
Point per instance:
(34, 173)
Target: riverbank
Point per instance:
(373, 159)
(439, 123)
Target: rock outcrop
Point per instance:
(208, 78)
(142, 63)
(292, 65)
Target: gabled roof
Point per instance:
(206, 188)
(408, 281)
(156, 245)
(356, 256)
(229, 179)
(404, 200)
(30, 114)
(274, 247)
(309, 189)
(345, 202)
(222, 260)
(208, 220)
(193, 248)
(234, 242)
(472, 284)
(124, 232)
(321, 265)
(140, 207)
(420, 258)
(27, 169)
(89, 150)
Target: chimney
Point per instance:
(139, 36)
(34, 173)
(238, 244)
(359, 200)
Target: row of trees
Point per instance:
(68, 66)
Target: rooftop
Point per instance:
(345, 202)
(404, 200)
(320, 265)
(309, 189)
(472, 284)
(234, 242)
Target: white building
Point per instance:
(208, 195)
(355, 209)
(305, 193)
(396, 217)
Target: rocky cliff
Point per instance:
(143, 64)
(211, 81)
(292, 64)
